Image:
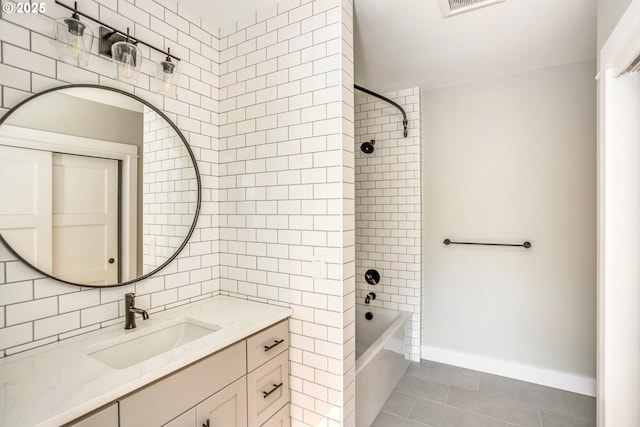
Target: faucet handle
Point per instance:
(372, 277)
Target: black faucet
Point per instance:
(130, 312)
(370, 296)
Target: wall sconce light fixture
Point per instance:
(124, 53)
(168, 75)
(122, 48)
(73, 39)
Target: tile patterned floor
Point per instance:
(436, 395)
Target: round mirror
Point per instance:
(98, 187)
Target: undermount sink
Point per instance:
(139, 346)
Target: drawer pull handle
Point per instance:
(205, 424)
(265, 394)
(275, 343)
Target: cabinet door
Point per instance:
(106, 417)
(226, 408)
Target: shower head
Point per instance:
(367, 147)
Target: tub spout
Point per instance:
(370, 296)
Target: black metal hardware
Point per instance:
(275, 343)
(265, 394)
(368, 147)
(113, 31)
(130, 311)
(525, 245)
(368, 315)
(372, 277)
(111, 260)
(370, 297)
(405, 122)
(206, 424)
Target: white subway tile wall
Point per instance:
(34, 310)
(170, 193)
(286, 189)
(388, 207)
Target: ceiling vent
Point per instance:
(455, 7)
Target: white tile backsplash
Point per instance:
(12, 336)
(12, 293)
(78, 300)
(32, 310)
(55, 325)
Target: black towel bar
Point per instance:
(525, 245)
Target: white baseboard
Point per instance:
(533, 374)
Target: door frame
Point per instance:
(622, 47)
(32, 139)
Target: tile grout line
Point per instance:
(413, 405)
(481, 414)
(485, 416)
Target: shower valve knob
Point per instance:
(372, 277)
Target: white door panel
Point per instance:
(85, 219)
(24, 221)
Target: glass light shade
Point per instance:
(128, 59)
(73, 41)
(168, 77)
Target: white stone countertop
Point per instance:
(58, 383)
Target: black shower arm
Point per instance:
(405, 122)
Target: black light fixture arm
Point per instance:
(116, 31)
(405, 122)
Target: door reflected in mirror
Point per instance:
(98, 188)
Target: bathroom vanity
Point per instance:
(235, 375)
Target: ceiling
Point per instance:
(407, 43)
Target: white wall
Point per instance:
(609, 13)
(388, 206)
(507, 160)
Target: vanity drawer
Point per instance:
(266, 344)
(282, 418)
(268, 389)
(104, 417)
(162, 401)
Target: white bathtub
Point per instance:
(380, 361)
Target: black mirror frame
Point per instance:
(189, 150)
